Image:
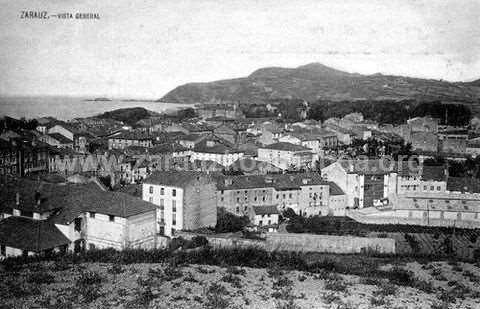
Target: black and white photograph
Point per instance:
(230, 154)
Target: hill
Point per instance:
(315, 81)
(128, 115)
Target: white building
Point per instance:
(184, 199)
(286, 155)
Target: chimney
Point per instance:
(17, 198)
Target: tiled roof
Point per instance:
(286, 147)
(31, 235)
(250, 165)
(278, 181)
(71, 200)
(59, 137)
(132, 136)
(265, 210)
(173, 178)
(217, 148)
(335, 189)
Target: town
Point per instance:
(100, 182)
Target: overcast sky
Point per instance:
(144, 49)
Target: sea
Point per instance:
(67, 108)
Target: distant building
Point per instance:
(265, 217)
(215, 151)
(306, 193)
(286, 155)
(185, 200)
(126, 139)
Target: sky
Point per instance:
(143, 49)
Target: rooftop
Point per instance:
(31, 235)
(286, 147)
(173, 178)
(70, 200)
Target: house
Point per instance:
(286, 155)
(308, 140)
(215, 151)
(22, 236)
(305, 193)
(185, 200)
(87, 215)
(363, 181)
(344, 136)
(265, 217)
(226, 110)
(126, 139)
(9, 155)
(366, 182)
(57, 140)
(423, 124)
(424, 141)
(270, 133)
(190, 140)
(249, 166)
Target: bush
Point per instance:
(40, 277)
(228, 222)
(400, 276)
(115, 269)
(172, 273)
(336, 285)
(386, 289)
(89, 278)
(198, 241)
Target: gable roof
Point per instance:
(31, 235)
(285, 147)
(173, 178)
(277, 181)
(59, 137)
(68, 201)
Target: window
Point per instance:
(150, 199)
(438, 188)
(173, 231)
(162, 203)
(174, 206)
(3, 250)
(432, 188)
(260, 222)
(238, 209)
(111, 218)
(91, 246)
(92, 215)
(151, 189)
(174, 192)
(424, 188)
(174, 219)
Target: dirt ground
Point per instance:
(49, 285)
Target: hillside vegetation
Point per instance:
(315, 81)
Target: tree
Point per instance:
(228, 222)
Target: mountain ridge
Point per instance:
(315, 81)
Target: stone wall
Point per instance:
(304, 243)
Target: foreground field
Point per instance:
(435, 285)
